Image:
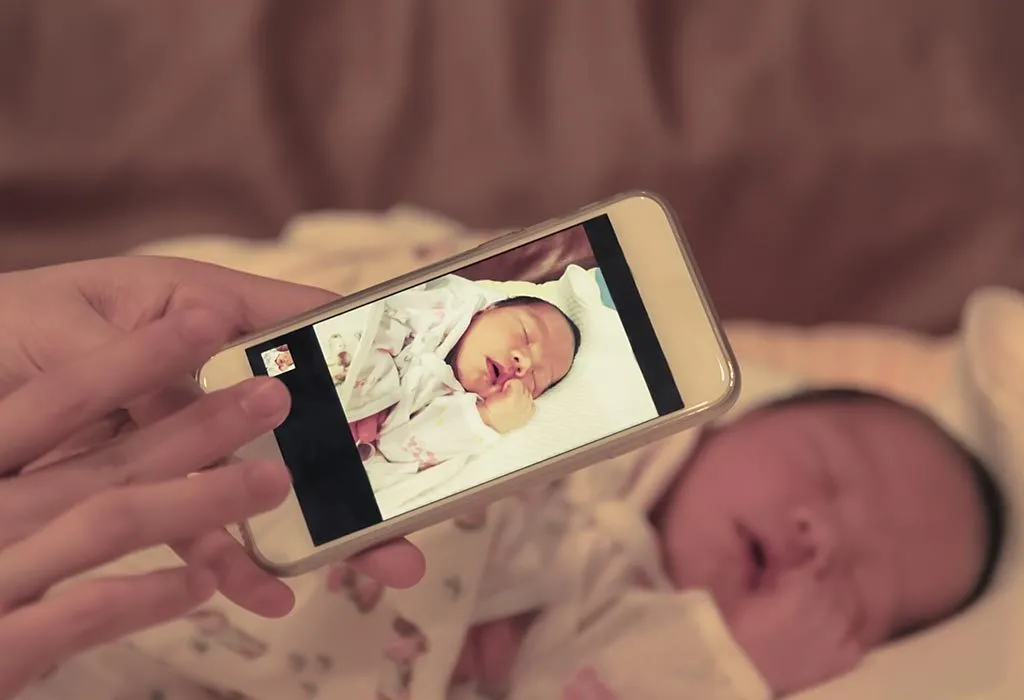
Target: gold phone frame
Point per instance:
(680, 310)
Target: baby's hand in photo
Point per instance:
(799, 633)
(586, 685)
(366, 430)
(509, 409)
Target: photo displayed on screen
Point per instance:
(474, 375)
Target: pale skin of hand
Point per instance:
(509, 409)
(489, 654)
(367, 430)
(94, 375)
(586, 685)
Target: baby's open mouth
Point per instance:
(495, 372)
(756, 557)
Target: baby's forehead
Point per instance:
(858, 433)
(866, 411)
(888, 453)
(529, 304)
(903, 492)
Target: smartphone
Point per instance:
(435, 393)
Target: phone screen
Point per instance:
(471, 376)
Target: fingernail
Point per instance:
(264, 398)
(268, 481)
(202, 327)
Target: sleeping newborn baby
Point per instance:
(746, 561)
(451, 368)
(822, 525)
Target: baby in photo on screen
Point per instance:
(452, 367)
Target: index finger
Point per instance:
(512, 386)
(60, 402)
(119, 522)
(256, 302)
(397, 564)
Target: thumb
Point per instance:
(262, 301)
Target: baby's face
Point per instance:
(866, 497)
(530, 342)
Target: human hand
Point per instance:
(489, 654)
(54, 315)
(586, 685)
(508, 409)
(800, 632)
(144, 489)
(367, 430)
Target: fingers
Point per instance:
(518, 390)
(361, 430)
(265, 302)
(337, 575)
(398, 564)
(165, 401)
(117, 522)
(38, 636)
(60, 402)
(195, 437)
(515, 387)
(525, 399)
(254, 302)
(497, 646)
(186, 442)
(587, 686)
(367, 430)
(238, 577)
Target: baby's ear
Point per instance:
(994, 339)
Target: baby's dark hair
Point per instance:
(524, 300)
(993, 502)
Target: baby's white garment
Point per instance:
(584, 554)
(403, 370)
(650, 645)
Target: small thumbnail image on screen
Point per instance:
(278, 360)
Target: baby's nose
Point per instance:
(521, 362)
(814, 541)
